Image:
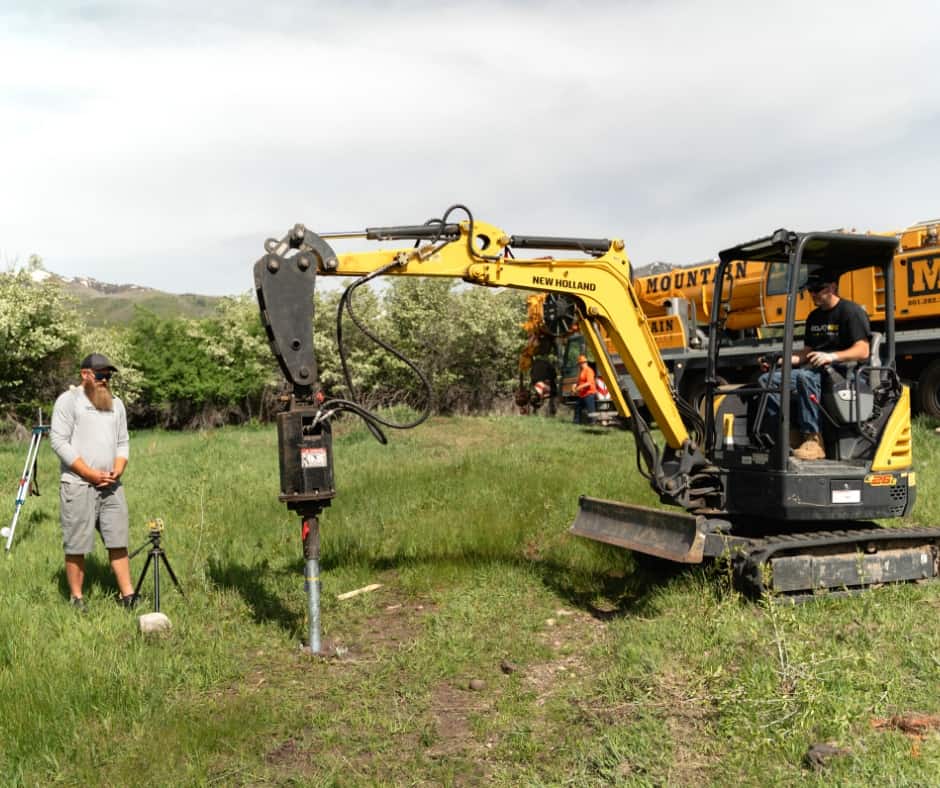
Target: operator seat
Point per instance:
(853, 399)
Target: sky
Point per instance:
(160, 142)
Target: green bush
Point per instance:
(201, 372)
(464, 340)
(39, 339)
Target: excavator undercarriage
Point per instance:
(775, 559)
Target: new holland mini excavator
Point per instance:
(789, 527)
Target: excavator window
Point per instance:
(574, 348)
(777, 278)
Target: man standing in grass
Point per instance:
(89, 435)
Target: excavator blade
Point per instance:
(671, 535)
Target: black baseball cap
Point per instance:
(97, 361)
(819, 279)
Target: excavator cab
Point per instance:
(864, 408)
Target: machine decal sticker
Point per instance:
(313, 457)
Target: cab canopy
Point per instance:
(829, 252)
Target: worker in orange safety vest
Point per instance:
(586, 389)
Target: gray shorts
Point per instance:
(82, 507)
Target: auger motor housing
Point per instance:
(306, 460)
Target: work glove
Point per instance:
(822, 359)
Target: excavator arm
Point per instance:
(483, 254)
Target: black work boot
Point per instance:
(129, 601)
(79, 604)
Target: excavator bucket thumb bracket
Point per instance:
(284, 286)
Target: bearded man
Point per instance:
(89, 435)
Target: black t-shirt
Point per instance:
(836, 329)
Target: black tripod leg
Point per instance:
(156, 579)
(143, 574)
(166, 563)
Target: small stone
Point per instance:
(507, 667)
(562, 612)
(477, 684)
(154, 622)
(818, 755)
(549, 622)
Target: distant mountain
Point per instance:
(102, 303)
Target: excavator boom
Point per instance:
(482, 254)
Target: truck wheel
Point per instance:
(928, 390)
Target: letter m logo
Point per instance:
(923, 275)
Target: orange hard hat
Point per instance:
(581, 359)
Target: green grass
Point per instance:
(617, 679)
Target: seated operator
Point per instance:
(837, 331)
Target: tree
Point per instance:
(202, 372)
(488, 334)
(466, 340)
(39, 337)
(365, 360)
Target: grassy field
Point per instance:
(587, 672)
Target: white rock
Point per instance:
(154, 622)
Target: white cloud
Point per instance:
(162, 147)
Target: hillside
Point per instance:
(101, 303)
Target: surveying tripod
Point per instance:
(155, 555)
(27, 480)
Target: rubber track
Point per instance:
(750, 558)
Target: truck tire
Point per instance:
(928, 390)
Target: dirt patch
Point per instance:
(572, 630)
(451, 713)
(287, 753)
(569, 633)
(686, 719)
(685, 715)
(397, 622)
(547, 678)
(916, 726)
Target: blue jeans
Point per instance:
(805, 388)
(584, 406)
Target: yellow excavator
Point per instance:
(789, 527)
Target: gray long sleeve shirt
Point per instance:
(79, 429)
